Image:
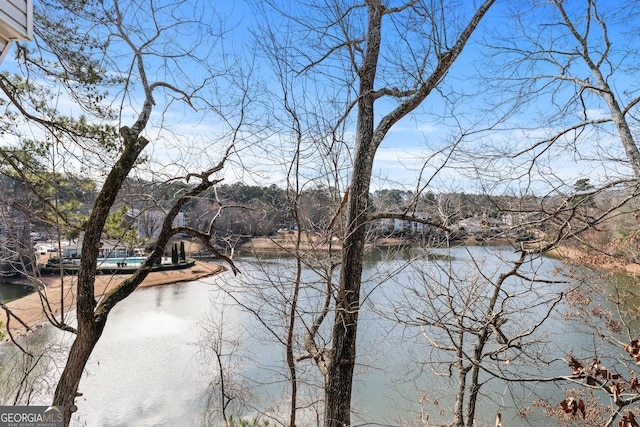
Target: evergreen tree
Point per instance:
(183, 255)
(174, 254)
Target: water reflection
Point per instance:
(147, 369)
(13, 290)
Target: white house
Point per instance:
(414, 226)
(148, 222)
(16, 23)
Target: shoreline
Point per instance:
(61, 294)
(29, 308)
(570, 255)
(601, 262)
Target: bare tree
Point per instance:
(402, 65)
(138, 49)
(373, 76)
(600, 375)
(219, 350)
(384, 76)
(478, 322)
(575, 58)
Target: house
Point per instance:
(112, 249)
(16, 23)
(413, 226)
(147, 222)
(180, 220)
(107, 249)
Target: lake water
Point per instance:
(150, 367)
(10, 291)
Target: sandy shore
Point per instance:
(30, 308)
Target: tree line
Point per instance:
(249, 210)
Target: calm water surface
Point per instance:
(147, 369)
(10, 291)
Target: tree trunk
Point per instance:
(474, 381)
(89, 328)
(463, 370)
(603, 89)
(340, 373)
(340, 376)
(626, 136)
(70, 380)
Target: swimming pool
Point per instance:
(121, 262)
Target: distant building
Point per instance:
(148, 222)
(413, 226)
(481, 224)
(112, 249)
(107, 249)
(16, 23)
(180, 220)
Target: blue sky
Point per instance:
(401, 158)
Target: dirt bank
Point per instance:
(308, 241)
(596, 261)
(29, 309)
(599, 261)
